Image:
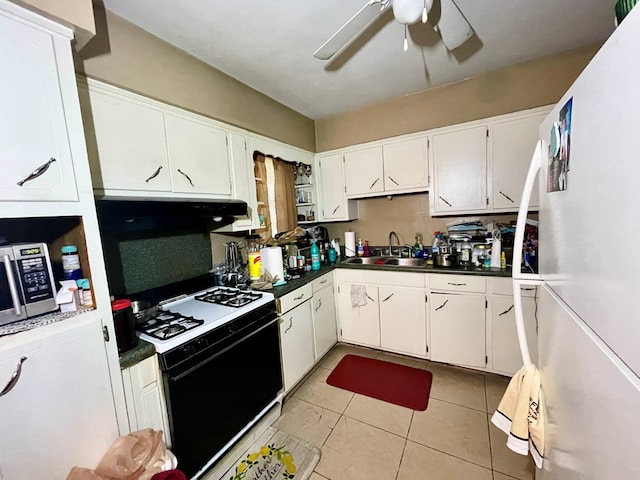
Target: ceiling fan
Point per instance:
(452, 26)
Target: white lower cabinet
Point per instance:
(359, 324)
(458, 328)
(324, 316)
(403, 320)
(146, 407)
(60, 412)
(296, 336)
(505, 353)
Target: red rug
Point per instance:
(405, 386)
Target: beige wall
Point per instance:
(72, 12)
(518, 87)
(404, 214)
(124, 55)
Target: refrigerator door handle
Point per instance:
(536, 162)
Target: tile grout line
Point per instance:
(404, 448)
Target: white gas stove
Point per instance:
(179, 321)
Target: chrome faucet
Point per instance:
(391, 235)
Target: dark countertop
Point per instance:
(309, 276)
(136, 354)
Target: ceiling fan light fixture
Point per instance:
(407, 11)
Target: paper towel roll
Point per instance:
(350, 244)
(272, 262)
(496, 249)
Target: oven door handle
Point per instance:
(178, 376)
(11, 281)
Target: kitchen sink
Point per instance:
(387, 261)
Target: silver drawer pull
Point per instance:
(374, 182)
(445, 302)
(323, 281)
(300, 297)
(14, 378)
(527, 289)
(444, 201)
(154, 174)
(290, 325)
(506, 311)
(456, 284)
(393, 180)
(37, 172)
(388, 297)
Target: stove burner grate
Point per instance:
(229, 297)
(166, 324)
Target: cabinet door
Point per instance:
(505, 351)
(458, 329)
(512, 144)
(32, 124)
(403, 320)
(296, 338)
(324, 321)
(243, 182)
(60, 412)
(126, 143)
(363, 172)
(334, 201)
(359, 325)
(460, 171)
(405, 165)
(198, 157)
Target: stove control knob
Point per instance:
(189, 350)
(202, 343)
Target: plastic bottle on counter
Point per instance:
(315, 256)
(333, 256)
(503, 260)
(436, 240)
(71, 263)
(465, 253)
(367, 249)
(360, 248)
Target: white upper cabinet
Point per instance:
(198, 157)
(511, 146)
(126, 142)
(405, 165)
(335, 205)
(35, 154)
(459, 171)
(363, 171)
(398, 166)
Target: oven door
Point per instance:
(211, 402)
(11, 298)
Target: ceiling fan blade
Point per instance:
(453, 27)
(350, 30)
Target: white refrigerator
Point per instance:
(589, 268)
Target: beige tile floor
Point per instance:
(365, 438)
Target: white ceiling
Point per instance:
(268, 44)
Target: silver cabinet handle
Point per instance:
(374, 182)
(37, 172)
(369, 297)
(319, 304)
(445, 302)
(335, 210)
(323, 281)
(506, 196)
(456, 284)
(530, 289)
(14, 378)
(388, 297)
(186, 176)
(444, 200)
(300, 297)
(393, 180)
(506, 311)
(290, 325)
(155, 174)
(11, 280)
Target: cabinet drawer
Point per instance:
(291, 300)
(504, 286)
(458, 283)
(377, 277)
(145, 373)
(322, 282)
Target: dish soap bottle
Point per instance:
(418, 247)
(367, 249)
(436, 240)
(360, 248)
(503, 260)
(315, 256)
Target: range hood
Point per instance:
(162, 215)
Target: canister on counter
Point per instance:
(125, 324)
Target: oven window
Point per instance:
(209, 405)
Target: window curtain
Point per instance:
(275, 189)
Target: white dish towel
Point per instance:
(358, 296)
(519, 414)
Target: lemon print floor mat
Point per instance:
(276, 455)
